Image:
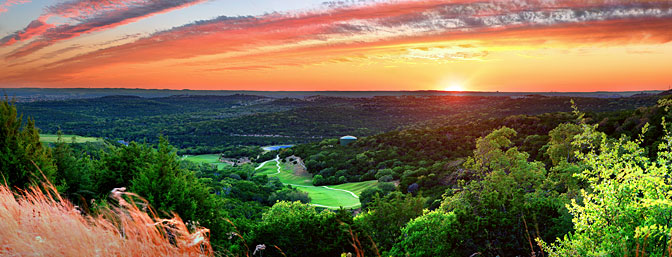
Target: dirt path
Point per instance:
(277, 160)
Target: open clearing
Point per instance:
(51, 138)
(333, 196)
(205, 158)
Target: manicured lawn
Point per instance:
(205, 158)
(286, 176)
(51, 138)
(356, 187)
(267, 169)
(332, 199)
(320, 196)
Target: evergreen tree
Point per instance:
(22, 155)
(74, 177)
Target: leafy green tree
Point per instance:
(318, 180)
(299, 230)
(22, 155)
(495, 210)
(387, 215)
(495, 152)
(626, 209)
(562, 153)
(560, 147)
(289, 195)
(156, 175)
(380, 190)
(75, 172)
(119, 165)
(436, 233)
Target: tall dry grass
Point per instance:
(39, 223)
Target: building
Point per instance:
(345, 140)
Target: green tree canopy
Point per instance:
(626, 211)
(22, 155)
(494, 210)
(435, 233)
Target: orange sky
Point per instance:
(512, 45)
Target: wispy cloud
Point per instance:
(8, 3)
(87, 16)
(396, 22)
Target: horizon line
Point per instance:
(298, 91)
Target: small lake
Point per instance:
(275, 147)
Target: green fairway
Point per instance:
(205, 158)
(51, 138)
(356, 187)
(333, 197)
(285, 176)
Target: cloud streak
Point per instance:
(88, 16)
(8, 3)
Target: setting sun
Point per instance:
(455, 87)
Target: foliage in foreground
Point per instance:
(20, 149)
(490, 214)
(299, 230)
(35, 223)
(435, 233)
(627, 209)
(385, 215)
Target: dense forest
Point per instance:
(458, 176)
(208, 124)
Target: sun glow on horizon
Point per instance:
(455, 87)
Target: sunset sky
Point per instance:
(516, 45)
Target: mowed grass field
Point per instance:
(51, 138)
(206, 158)
(323, 196)
(356, 187)
(285, 175)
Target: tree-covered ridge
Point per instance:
(207, 124)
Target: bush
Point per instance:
(627, 210)
(289, 195)
(385, 216)
(435, 233)
(299, 230)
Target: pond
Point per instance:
(275, 147)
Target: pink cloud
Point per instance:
(91, 16)
(9, 3)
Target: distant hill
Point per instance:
(42, 94)
(664, 93)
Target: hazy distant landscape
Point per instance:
(41, 94)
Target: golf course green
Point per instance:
(205, 158)
(333, 197)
